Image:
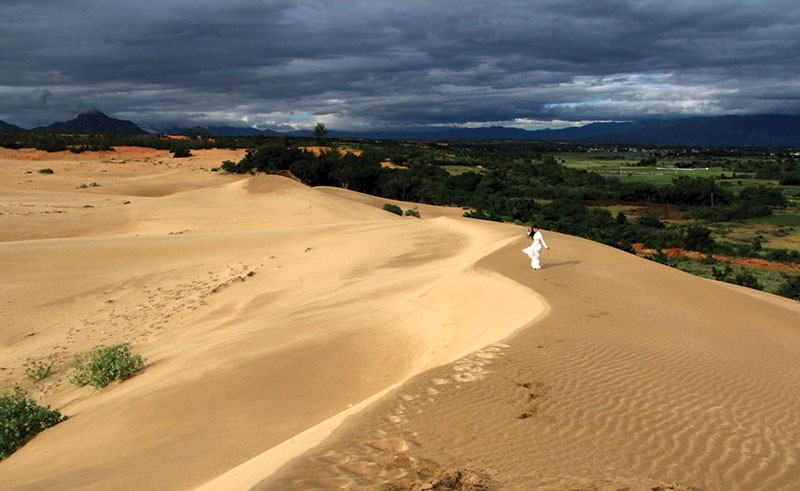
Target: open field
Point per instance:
(628, 171)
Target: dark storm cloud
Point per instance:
(361, 64)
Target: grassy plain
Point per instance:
(776, 231)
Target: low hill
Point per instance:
(9, 127)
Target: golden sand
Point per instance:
(303, 338)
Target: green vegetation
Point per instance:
(46, 171)
(36, 371)
(790, 287)
(180, 151)
(759, 279)
(391, 208)
(412, 212)
(21, 418)
(105, 365)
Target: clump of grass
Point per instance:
(21, 418)
(104, 365)
(46, 171)
(36, 371)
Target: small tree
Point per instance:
(320, 131)
(698, 238)
(180, 152)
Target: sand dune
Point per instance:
(301, 338)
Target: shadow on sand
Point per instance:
(563, 263)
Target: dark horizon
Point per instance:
(772, 130)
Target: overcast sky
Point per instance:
(379, 64)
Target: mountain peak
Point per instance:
(95, 122)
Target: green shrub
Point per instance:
(21, 418)
(790, 287)
(182, 152)
(105, 365)
(698, 238)
(37, 371)
(782, 255)
(748, 280)
(412, 212)
(393, 209)
(709, 259)
(46, 171)
(663, 258)
(651, 221)
(723, 273)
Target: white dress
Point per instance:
(533, 250)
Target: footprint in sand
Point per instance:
(396, 445)
(384, 455)
(395, 419)
(529, 398)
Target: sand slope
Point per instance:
(263, 308)
(641, 376)
(270, 312)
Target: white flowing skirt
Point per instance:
(533, 251)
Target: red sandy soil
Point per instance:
(741, 261)
(343, 151)
(390, 165)
(316, 149)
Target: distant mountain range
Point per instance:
(758, 130)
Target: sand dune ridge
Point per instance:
(273, 315)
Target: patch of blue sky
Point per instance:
(579, 104)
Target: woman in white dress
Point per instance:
(535, 249)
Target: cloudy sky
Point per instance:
(379, 64)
